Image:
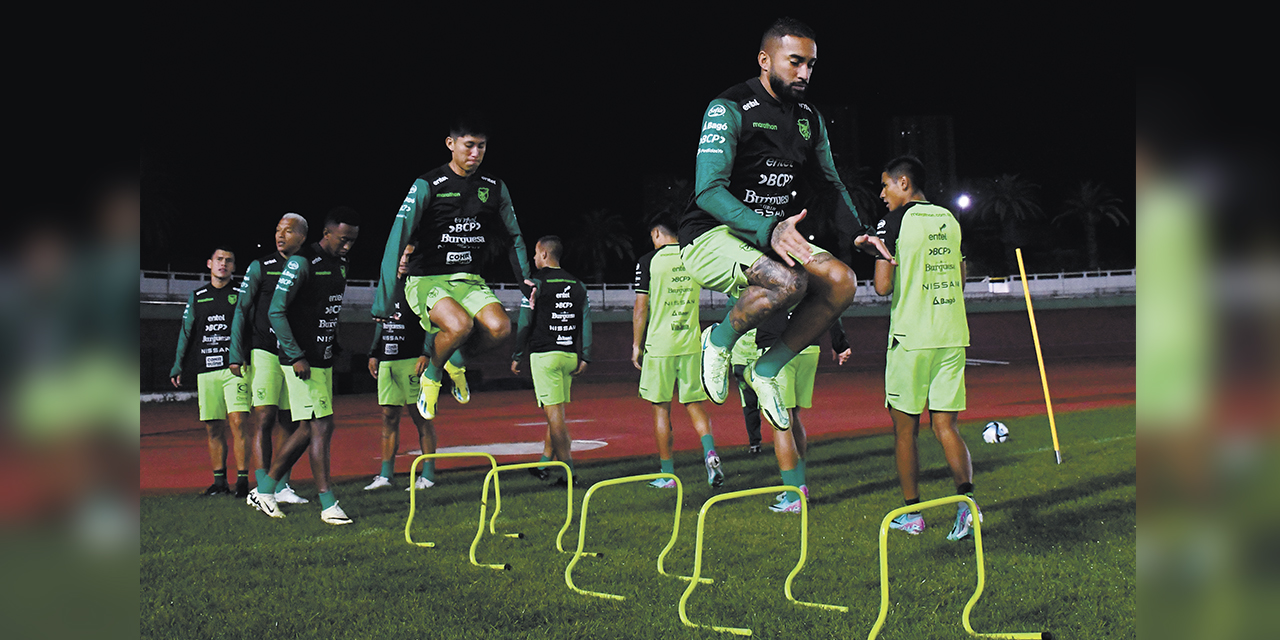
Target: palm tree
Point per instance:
(601, 236)
(1091, 203)
(1008, 201)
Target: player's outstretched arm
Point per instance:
(884, 277)
(519, 254)
(401, 230)
(184, 337)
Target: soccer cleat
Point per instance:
(754, 449)
(782, 497)
(264, 502)
(287, 495)
(716, 367)
(561, 482)
(786, 506)
(422, 483)
(218, 489)
(242, 489)
(541, 474)
(715, 475)
(912, 523)
(963, 528)
(335, 515)
(427, 398)
(770, 395)
(461, 392)
(378, 483)
(663, 483)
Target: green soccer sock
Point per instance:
(388, 469)
(433, 373)
(266, 484)
(284, 480)
(668, 465)
(327, 499)
(220, 476)
(774, 360)
(708, 444)
(724, 335)
(260, 476)
(543, 459)
(457, 360)
(791, 477)
(800, 467)
(429, 470)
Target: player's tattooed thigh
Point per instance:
(778, 278)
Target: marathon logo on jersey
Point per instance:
(457, 257)
(749, 105)
(715, 111)
(213, 362)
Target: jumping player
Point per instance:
(304, 314)
(255, 351)
(396, 360)
(928, 333)
(450, 215)
(555, 330)
(224, 399)
(738, 235)
(664, 347)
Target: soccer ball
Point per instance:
(995, 432)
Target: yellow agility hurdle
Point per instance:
(977, 546)
(413, 493)
(804, 553)
(484, 495)
(582, 531)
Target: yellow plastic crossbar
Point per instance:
(582, 531)
(977, 546)
(484, 495)
(804, 553)
(413, 492)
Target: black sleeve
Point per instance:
(642, 273)
(839, 342)
(888, 230)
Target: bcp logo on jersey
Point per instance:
(483, 194)
(715, 111)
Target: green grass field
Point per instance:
(1059, 544)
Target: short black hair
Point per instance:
(787, 26)
(342, 215)
(909, 166)
(471, 123)
(554, 246)
(664, 224)
(222, 247)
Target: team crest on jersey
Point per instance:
(483, 193)
(343, 270)
(231, 299)
(803, 123)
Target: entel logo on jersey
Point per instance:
(753, 103)
(435, 182)
(715, 111)
(488, 179)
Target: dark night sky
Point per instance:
(246, 117)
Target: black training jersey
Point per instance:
(752, 151)
(206, 326)
(560, 319)
(401, 337)
(252, 325)
(306, 304)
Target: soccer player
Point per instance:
(255, 350)
(738, 235)
(396, 360)
(451, 214)
(555, 330)
(791, 447)
(224, 399)
(928, 333)
(304, 313)
(664, 347)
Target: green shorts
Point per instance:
(924, 378)
(660, 375)
(802, 370)
(221, 393)
(551, 375)
(266, 383)
(744, 350)
(311, 398)
(398, 382)
(467, 289)
(718, 260)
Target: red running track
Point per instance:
(174, 457)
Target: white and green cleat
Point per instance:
(428, 397)
(461, 392)
(770, 395)
(716, 367)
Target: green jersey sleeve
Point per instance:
(714, 165)
(184, 336)
(240, 329)
(401, 230)
(519, 253)
(585, 355)
(524, 325)
(291, 281)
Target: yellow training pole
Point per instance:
(413, 469)
(980, 562)
(1035, 335)
(582, 531)
(804, 553)
(484, 495)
